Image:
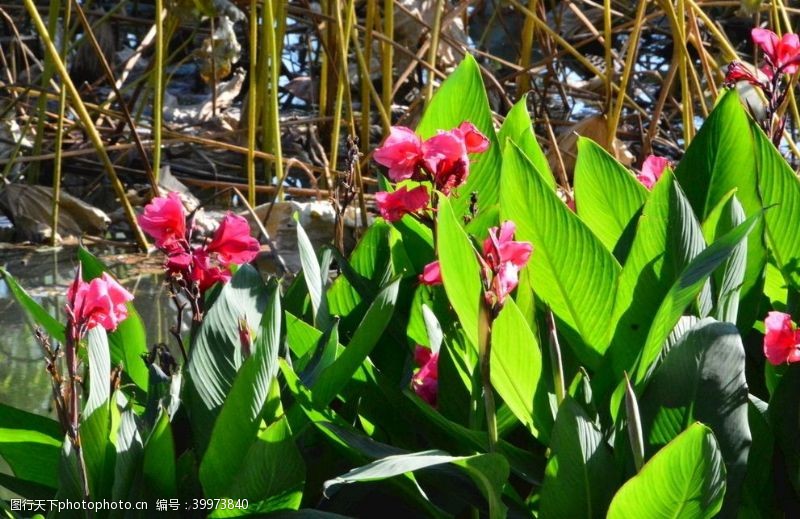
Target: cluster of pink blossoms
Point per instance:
(100, 302)
(782, 340)
(501, 262)
(442, 160)
(165, 220)
(443, 163)
(782, 56)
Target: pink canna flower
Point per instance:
(782, 53)
(652, 169)
(401, 153)
(474, 140)
(782, 340)
(499, 247)
(503, 258)
(445, 157)
(425, 382)
(393, 206)
(505, 280)
(232, 241)
(738, 71)
(206, 269)
(164, 219)
(100, 302)
(431, 274)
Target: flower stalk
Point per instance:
(485, 319)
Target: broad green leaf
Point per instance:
(580, 477)
(433, 328)
(516, 366)
(570, 269)
(316, 280)
(334, 378)
(158, 466)
(349, 295)
(462, 97)
(722, 157)
(517, 127)
(775, 287)
(702, 379)
(31, 445)
(668, 237)
(99, 451)
(129, 341)
(26, 489)
(686, 287)
(39, 315)
(128, 467)
(460, 269)
(488, 471)
(607, 196)
(216, 353)
(418, 241)
(422, 418)
(272, 474)
(379, 256)
(69, 480)
(361, 449)
(728, 279)
(99, 369)
(780, 191)
(301, 337)
(236, 427)
(758, 489)
(324, 355)
(784, 415)
(478, 226)
(684, 479)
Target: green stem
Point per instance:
(485, 354)
(274, 72)
(251, 105)
(158, 87)
(433, 51)
(62, 103)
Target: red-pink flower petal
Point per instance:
(502, 259)
(505, 280)
(232, 241)
(652, 169)
(782, 340)
(401, 153)
(474, 140)
(102, 301)
(205, 272)
(783, 53)
(179, 262)
(445, 156)
(393, 206)
(164, 219)
(499, 247)
(766, 39)
(425, 382)
(788, 53)
(431, 274)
